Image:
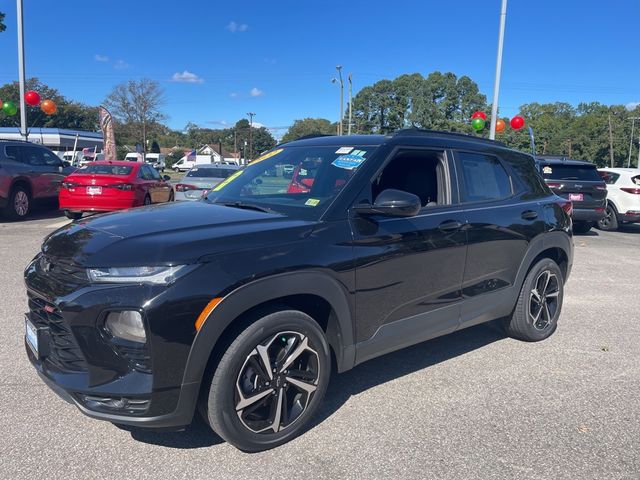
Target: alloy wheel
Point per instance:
(606, 221)
(543, 300)
(276, 382)
(21, 203)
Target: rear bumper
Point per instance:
(587, 214)
(629, 217)
(85, 203)
(183, 197)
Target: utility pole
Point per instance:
(638, 164)
(496, 83)
(339, 80)
(21, 75)
(350, 102)
(633, 124)
(251, 115)
(610, 141)
(570, 142)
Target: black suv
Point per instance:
(28, 173)
(241, 304)
(579, 182)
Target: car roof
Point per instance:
(631, 171)
(215, 165)
(562, 161)
(376, 140)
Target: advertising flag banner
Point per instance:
(108, 135)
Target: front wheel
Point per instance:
(269, 382)
(609, 222)
(539, 304)
(19, 204)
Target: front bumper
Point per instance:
(103, 380)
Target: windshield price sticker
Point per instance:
(350, 161)
(312, 202)
(547, 170)
(226, 182)
(344, 150)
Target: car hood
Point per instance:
(173, 233)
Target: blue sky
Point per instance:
(219, 60)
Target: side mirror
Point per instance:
(166, 178)
(392, 203)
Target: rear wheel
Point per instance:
(539, 304)
(610, 220)
(582, 227)
(269, 382)
(73, 215)
(19, 203)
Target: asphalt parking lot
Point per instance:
(473, 404)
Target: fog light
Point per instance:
(127, 325)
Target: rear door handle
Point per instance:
(529, 215)
(449, 226)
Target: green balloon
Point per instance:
(9, 108)
(477, 123)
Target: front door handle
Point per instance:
(529, 215)
(449, 226)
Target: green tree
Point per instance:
(309, 126)
(136, 105)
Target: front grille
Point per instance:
(64, 352)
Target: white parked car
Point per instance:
(623, 197)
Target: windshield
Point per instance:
(296, 181)
(106, 169)
(570, 172)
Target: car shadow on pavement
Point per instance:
(342, 386)
(404, 362)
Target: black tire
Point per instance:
(147, 200)
(530, 321)
(171, 196)
(582, 227)
(73, 215)
(609, 222)
(283, 333)
(19, 204)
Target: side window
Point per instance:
(485, 178)
(13, 153)
(50, 159)
(33, 156)
(421, 172)
(154, 173)
(609, 177)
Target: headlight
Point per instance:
(155, 275)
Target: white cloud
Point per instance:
(256, 92)
(258, 125)
(233, 94)
(186, 77)
(234, 27)
(632, 105)
(100, 58)
(121, 65)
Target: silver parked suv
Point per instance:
(28, 173)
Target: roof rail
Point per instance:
(406, 132)
(314, 135)
(15, 140)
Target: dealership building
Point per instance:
(59, 139)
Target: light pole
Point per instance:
(250, 115)
(633, 124)
(21, 75)
(339, 80)
(350, 102)
(496, 84)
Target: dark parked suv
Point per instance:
(28, 173)
(579, 182)
(241, 304)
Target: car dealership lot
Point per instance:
(470, 405)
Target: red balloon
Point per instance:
(48, 107)
(32, 98)
(500, 125)
(479, 114)
(517, 122)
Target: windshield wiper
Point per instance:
(246, 206)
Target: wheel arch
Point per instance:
(556, 245)
(22, 182)
(314, 293)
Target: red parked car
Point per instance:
(104, 186)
